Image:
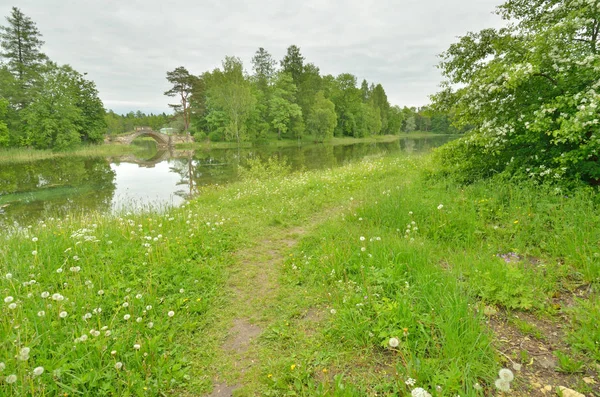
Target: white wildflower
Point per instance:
(394, 342)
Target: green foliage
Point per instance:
(49, 106)
(229, 100)
(257, 169)
(4, 137)
(585, 331)
(568, 364)
(183, 84)
(530, 93)
(283, 112)
(322, 118)
(64, 111)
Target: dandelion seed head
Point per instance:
(12, 306)
(37, 371)
(11, 379)
(502, 385)
(393, 342)
(63, 314)
(8, 276)
(136, 346)
(149, 307)
(2, 366)
(45, 294)
(9, 299)
(420, 392)
(127, 317)
(150, 324)
(118, 365)
(506, 374)
(171, 313)
(41, 313)
(439, 207)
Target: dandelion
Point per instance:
(439, 207)
(394, 342)
(149, 307)
(362, 238)
(101, 292)
(171, 313)
(502, 385)
(45, 294)
(139, 319)
(138, 296)
(56, 297)
(34, 253)
(35, 239)
(363, 249)
(136, 346)
(506, 374)
(8, 276)
(95, 333)
(2, 366)
(37, 371)
(118, 365)
(12, 306)
(11, 379)
(125, 304)
(63, 314)
(126, 317)
(113, 353)
(181, 291)
(83, 338)
(333, 311)
(87, 316)
(59, 270)
(41, 313)
(24, 354)
(150, 324)
(477, 386)
(107, 332)
(9, 299)
(420, 392)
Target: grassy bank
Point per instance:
(23, 155)
(379, 279)
(306, 140)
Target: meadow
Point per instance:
(380, 277)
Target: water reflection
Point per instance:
(30, 191)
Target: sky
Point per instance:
(127, 46)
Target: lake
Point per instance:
(56, 187)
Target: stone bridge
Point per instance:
(162, 140)
(160, 156)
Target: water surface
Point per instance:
(56, 187)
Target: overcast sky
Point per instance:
(127, 46)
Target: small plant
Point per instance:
(567, 364)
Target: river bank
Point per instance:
(375, 277)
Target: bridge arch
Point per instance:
(161, 139)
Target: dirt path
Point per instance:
(252, 291)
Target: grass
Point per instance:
(23, 155)
(386, 252)
(273, 141)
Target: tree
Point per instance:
(529, 91)
(230, 100)
(263, 65)
(183, 84)
(21, 46)
(283, 109)
(365, 91)
(348, 104)
(64, 111)
(293, 63)
(379, 100)
(52, 118)
(4, 136)
(322, 118)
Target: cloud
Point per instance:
(127, 47)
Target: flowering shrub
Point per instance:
(530, 93)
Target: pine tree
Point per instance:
(21, 44)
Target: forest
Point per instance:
(289, 99)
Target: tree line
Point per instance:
(289, 99)
(43, 104)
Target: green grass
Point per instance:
(388, 250)
(23, 155)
